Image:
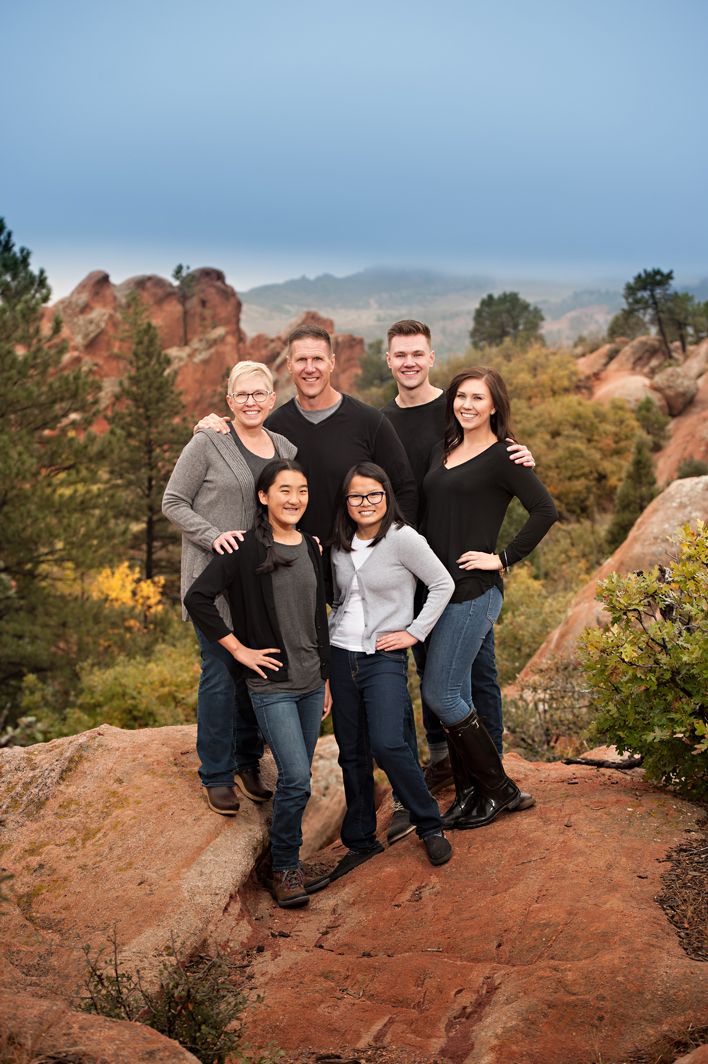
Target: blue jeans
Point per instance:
(291, 725)
(486, 694)
(454, 644)
(370, 711)
(228, 738)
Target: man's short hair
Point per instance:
(409, 327)
(308, 332)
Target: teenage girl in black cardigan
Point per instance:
(275, 590)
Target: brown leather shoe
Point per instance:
(439, 775)
(289, 888)
(248, 781)
(222, 800)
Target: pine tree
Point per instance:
(47, 471)
(634, 494)
(147, 432)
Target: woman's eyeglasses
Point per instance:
(242, 397)
(373, 498)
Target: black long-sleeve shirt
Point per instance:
(354, 433)
(464, 508)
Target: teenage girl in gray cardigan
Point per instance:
(211, 497)
(376, 562)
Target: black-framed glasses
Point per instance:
(242, 397)
(373, 498)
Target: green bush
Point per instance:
(648, 671)
(129, 692)
(691, 467)
(196, 1003)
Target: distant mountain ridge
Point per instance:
(368, 301)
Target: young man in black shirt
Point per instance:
(418, 415)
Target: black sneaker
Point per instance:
(400, 825)
(439, 775)
(313, 883)
(437, 847)
(352, 859)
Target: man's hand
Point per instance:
(213, 421)
(477, 559)
(395, 641)
(226, 542)
(327, 708)
(257, 659)
(517, 453)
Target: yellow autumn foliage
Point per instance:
(123, 587)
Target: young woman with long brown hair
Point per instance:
(467, 490)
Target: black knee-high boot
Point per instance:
(485, 789)
(465, 793)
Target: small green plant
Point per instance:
(691, 467)
(196, 1003)
(653, 422)
(648, 670)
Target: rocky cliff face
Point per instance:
(200, 327)
(677, 385)
(649, 543)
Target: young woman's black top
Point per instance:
(252, 603)
(464, 508)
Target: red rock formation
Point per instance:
(649, 543)
(46, 1029)
(539, 942)
(639, 370)
(199, 326)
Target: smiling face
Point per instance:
(367, 514)
(251, 413)
(310, 364)
(410, 359)
(286, 499)
(473, 405)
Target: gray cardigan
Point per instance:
(211, 491)
(387, 581)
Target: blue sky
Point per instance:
(560, 139)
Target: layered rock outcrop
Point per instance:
(676, 384)
(199, 322)
(649, 543)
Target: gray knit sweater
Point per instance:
(387, 581)
(211, 491)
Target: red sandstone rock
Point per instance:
(688, 436)
(697, 362)
(110, 828)
(677, 388)
(646, 354)
(48, 1030)
(632, 387)
(648, 544)
(539, 943)
(199, 326)
(593, 364)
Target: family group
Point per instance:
(392, 518)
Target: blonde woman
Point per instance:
(211, 498)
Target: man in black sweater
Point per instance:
(333, 431)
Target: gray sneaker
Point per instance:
(400, 825)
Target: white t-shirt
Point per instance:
(350, 630)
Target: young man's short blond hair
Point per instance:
(242, 369)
